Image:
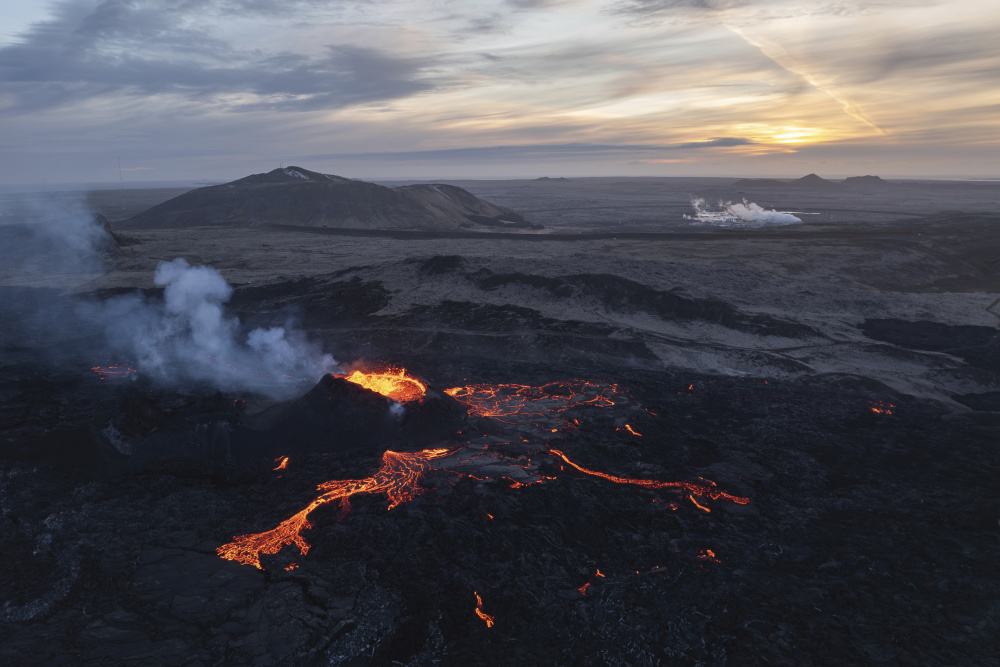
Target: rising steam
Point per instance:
(187, 337)
(42, 238)
(184, 337)
(742, 214)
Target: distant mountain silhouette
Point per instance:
(812, 181)
(549, 178)
(867, 181)
(297, 196)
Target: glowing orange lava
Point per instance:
(487, 619)
(881, 408)
(708, 554)
(706, 490)
(398, 478)
(282, 462)
(391, 382)
(632, 431)
(583, 589)
(523, 404)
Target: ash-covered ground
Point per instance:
(842, 376)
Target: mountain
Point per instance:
(812, 181)
(297, 196)
(866, 181)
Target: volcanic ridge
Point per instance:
(300, 197)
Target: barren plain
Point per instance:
(841, 375)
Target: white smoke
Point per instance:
(741, 214)
(187, 337)
(45, 237)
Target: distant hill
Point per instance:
(297, 196)
(810, 181)
(866, 181)
(549, 178)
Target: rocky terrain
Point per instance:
(589, 395)
(297, 196)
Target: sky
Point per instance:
(442, 89)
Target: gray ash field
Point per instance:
(840, 376)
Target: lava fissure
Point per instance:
(706, 490)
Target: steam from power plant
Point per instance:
(187, 337)
(740, 214)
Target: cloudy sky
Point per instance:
(217, 89)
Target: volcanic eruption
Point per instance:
(401, 475)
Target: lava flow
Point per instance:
(397, 477)
(487, 619)
(393, 383)
(399, 474)
(706, 490)
(521, 403)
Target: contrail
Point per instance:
(778, 56)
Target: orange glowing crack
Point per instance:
(282, 463)
(704, 490)
(632, 431)
(514, 403)
(391, 382)
(398, 478)
(583, 589)
(487, 619)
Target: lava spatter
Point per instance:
(394, 383)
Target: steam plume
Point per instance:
(741, 214)
(187, 337)
(48, 237)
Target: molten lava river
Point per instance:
(538, 411)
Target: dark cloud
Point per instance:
(90, 50)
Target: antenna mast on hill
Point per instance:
(122, 182)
